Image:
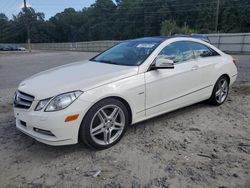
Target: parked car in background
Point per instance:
(11, 47)
(96, 100)
(20, 48)
(6, 48)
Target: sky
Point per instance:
(48, 7)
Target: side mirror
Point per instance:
(162, 63)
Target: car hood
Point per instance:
(83, 75)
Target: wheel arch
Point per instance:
(109, 97)
(126, 105)
(227, 76)
(212, 99)
(124, 101)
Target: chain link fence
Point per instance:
(238, 43)
(93, 46)
(231, 42)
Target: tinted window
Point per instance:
(177, 51)
(201, 50)
(130, 53)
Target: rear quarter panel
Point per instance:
(225, 65)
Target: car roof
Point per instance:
(161, 39)
(150, 39)
(196, 36)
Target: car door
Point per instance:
(169, 89)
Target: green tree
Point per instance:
(3, 26)
(125, 19)
(169, 27)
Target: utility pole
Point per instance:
(217, 15)
(27, 24)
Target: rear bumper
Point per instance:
(49, 127)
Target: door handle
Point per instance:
(195, 67)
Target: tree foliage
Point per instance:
(124, 19)
(169, 27)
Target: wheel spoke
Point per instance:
(118, 124)
(220, 97)
(218, 93)
(223, 85)
(117, 128)
(97, 128)
(102, 116)
(98, 132)
(107, 135)
(115, 113)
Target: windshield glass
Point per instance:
(131, 53)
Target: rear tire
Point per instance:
(220, 91)
(104, 124)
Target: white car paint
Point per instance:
(148, 93)
(83, 75)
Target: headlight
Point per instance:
(42, 104)
(62, 101)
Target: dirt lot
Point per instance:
(198, 146)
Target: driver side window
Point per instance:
(177, 52)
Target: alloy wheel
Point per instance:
(222, 91)
(107, 124)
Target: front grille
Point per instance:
(23, 100)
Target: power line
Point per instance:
(156, 13)
(163, 8)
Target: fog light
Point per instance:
(42, 131)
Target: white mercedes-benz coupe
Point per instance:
(138, 79)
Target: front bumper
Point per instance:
(49, 127)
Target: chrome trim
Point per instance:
(22, 100)
(23, 103)
(26, 97)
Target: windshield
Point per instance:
(131, 53)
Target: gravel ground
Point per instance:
(198, 146)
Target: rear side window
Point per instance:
(177, 51)
(201, 50)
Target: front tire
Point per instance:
(220, 91)
(104, 124)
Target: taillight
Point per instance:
(234, 61)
